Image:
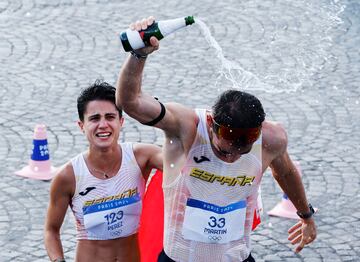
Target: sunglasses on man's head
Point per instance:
(239, 135)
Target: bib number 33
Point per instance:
(219, 223)
(209, 223)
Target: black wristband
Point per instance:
(59, 260)
(137, 55)
(306, 215)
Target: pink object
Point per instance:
(286, 208)
(39, 164)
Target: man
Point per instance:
(103, 186)
(213, 165)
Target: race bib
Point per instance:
(113, 219)
(209, 223)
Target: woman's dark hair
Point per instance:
(98, 91)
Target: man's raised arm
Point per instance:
(129, 95)
(173, 117)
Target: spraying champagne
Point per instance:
(133, 40)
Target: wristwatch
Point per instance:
(306, 215)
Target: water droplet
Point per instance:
(171, 141)
(28, 14)
(357, 102)
(52, 67)
(270, 225)
(172, 165)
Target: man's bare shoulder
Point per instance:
(274, 137)
(186, 121)
(182, 112)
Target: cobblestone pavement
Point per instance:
(50, 49)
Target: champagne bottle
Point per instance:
(132, 39)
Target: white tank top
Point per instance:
(209, 208)
(109, 208)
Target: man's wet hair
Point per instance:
(100, 90)
(235, 108)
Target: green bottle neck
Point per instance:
(189, 20)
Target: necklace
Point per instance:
(110, 167)
(106, 175)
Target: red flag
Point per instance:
(256, 220)
(258, 211)
(152, 220)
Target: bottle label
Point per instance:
(152, 30)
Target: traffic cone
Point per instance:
(286, 208)
(39, 164)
